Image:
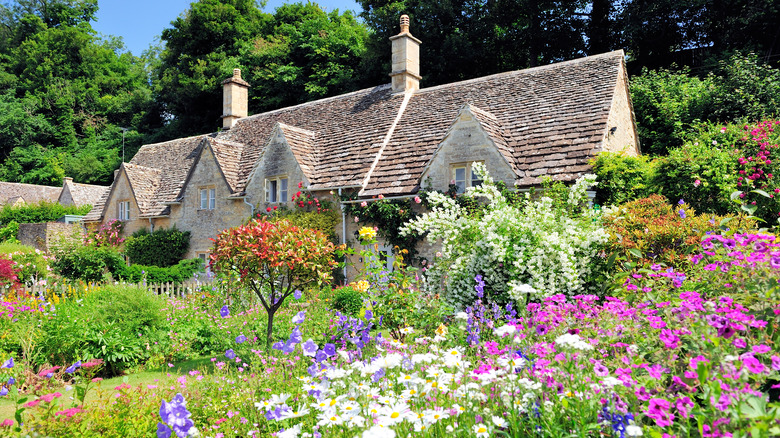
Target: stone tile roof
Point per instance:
(546, 121)
(30, 193)
(145, 183)
(84, 194)
(228, 155)
(552, 120)
(348, 131)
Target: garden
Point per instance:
(541, 313)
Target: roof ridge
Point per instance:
(522, 71)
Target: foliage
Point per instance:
(162, 247)
(540, 248)
(9, 232)
(31, 263)
(652, 230)
(747, 88)
(388, 216)
(622, 177)
(87, 263)
(272, 259)
(43, 211)
(8, 273)
(178, 273)
(347, 300)
(107, 234)
(111, 323)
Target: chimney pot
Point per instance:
(405, 72)
(235, 99)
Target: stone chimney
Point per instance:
(406, 59)
(234, 99)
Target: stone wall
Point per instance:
(621, 133)
(123, 192)
(44, 236)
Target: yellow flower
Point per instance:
(367, 233)
(441, 330)
(361, 286)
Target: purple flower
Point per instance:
(299, 317)
(726, 332)
(224, 311)
(72, 369)
(230, 354)
(681, 202)
(377, 376)
(682, 213)
(240, 339)
(369, 315)
(310, 348)
(3, 391)
(295, 336)
(774, 262)
(277, 346)
(11, 381)
(288, 347)
(320, 356)
(9, 363)
(658, 410)
(753, 365)
(669, 339)
(163, 431)
(329, 349)
(542, 329)
(297, 294)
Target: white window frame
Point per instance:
(470, 179)
(277, 190)
(124, 210)
(208, 198)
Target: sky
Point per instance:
(138, 22)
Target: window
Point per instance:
(124, 210)
(276, 190)
(208, 199)
(459, 172)
(204, 257)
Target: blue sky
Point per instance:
(138, 22)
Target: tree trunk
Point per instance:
(269, 329)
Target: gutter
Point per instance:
(343, 233)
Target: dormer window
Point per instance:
(124, 210)
(208, 198)
(276, 190)
(463, 176)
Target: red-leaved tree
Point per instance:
(8, 273)
(272, 259)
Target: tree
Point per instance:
(272, 259)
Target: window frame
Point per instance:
(208, 198)
(123, 210)
(469, 177)
(277, 189)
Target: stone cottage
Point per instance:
(388, 140)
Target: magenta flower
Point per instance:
(753, 365)
(670, 340)
(776, 363)
(658, 410)
(684, 405)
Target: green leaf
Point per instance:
(726, 220)
(635, 252)
(761, 192)
(749, 209)
(735, 195)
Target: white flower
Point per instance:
(378, 432)
(462, 315)
(292, 432)
(498, 421)
(481, 430)
(407, 330)
(633, 430)
(506, 329)
(300, 412)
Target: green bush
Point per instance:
(88, 263)
(622, 178)
(162, 247)
(746, 89)
(9, 232)
(348, 300)
(32, 264)
(116, 324)
(43, 211)
(703, 171)
(177, 273)
(324, 221)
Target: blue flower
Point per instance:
(230, 354)
(299, 317)
(369, 314)
(163, 431)
(295, 336)
(72, 369)
(682, 213)
(329, 349)
(224, 311)
(681, 202)
(240, 339)
(3, 391)
(9, 363)
(310, 348)
(297, 294)
(11, 381)
(288, 347)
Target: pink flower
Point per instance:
(364, 204)
(357, 219)
(753, 365)
(381, 197)
(417, 200)
(696, 183)
(658, 410)
(7, 422)
(776, 363)
(670, 340)
(684, 405)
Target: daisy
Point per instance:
(329, 420)
(300, 412)
(481, 430)
(499, 422)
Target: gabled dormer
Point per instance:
(474, 135)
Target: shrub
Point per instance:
(9, 232)
(622, 178)
(746, 89)
(8, 273)
(178, 273)
(703, 172)
(272, 259)
(108, 234)
(87, 263)
(43, 211)
(348, 300)
(542, 248)
(162, 247)
(32, 264)
(114, 323)
(654, 231)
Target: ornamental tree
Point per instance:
(273, 259)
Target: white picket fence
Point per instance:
(179, 290)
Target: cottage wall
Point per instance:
(465, 143)
(277, 161)
(43, 236)
(123, 192)
(621, 117)
(205, 224)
